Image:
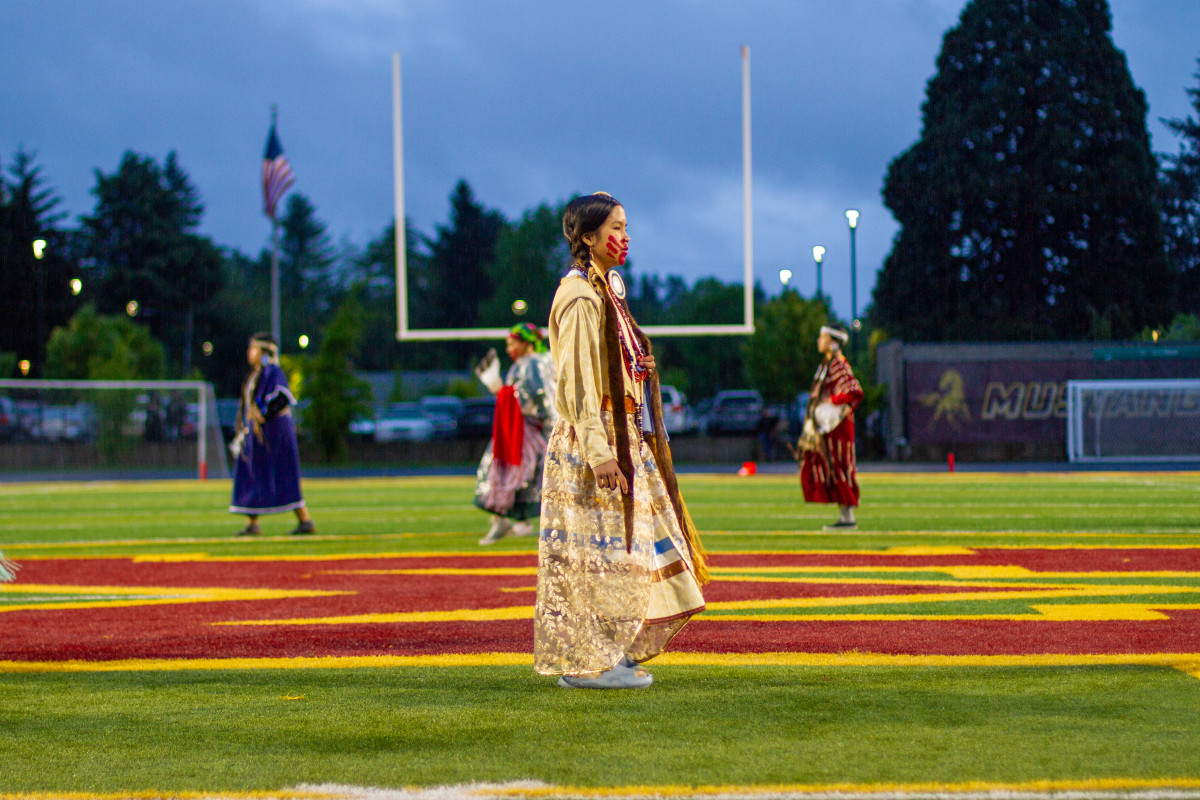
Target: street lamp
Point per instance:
(303, 341)
(76, 286)
(785, 275)
(818, 255)
(852, 218)
(519, 307)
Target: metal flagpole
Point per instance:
(275, 328)
(747, 198)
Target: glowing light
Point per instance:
(207, 348)
(39, 248)
(131, 308)
(1154, 335)
(23, 365)
(303, 341)
(785, 275)
(519, 307)
(76, 286)
(858, 324)
(818, 253)
(852, 217)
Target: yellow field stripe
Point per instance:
(482, 571)
(995, 790)
(1184, 662)
(1056, 592)
(125, 596)
(452, 615)
(1082, 612)
(959, 571)
(991, 790)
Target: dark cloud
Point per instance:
(530, 102)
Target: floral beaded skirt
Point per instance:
(597, 598)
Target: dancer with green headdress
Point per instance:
(509, 481)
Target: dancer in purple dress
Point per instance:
(266, 477)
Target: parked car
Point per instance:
(10, 423)
(477, 415)
(443, 411)
(403, 422)
(677, 414)
(735, 411)
(63, 423)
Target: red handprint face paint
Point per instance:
(610, 247)
(617, 250)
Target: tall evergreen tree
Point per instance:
(460, 257)
(142, 243)
(1181, 206)
(36, 290)
(530, 258)
(305, 259)
(1028, 206)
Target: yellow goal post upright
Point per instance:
(58, 425)
(405, 333)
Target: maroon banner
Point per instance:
(1011, 400)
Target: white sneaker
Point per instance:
(501, 526)
(619, 677)
(522, 528)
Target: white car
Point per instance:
(677, 415)
(403, 422)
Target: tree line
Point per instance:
(1031, 207)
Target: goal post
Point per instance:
(83, 426)
(406, 333)
(1133, 420)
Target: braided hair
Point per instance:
(583, 215)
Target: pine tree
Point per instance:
(1181, 207)
(35, 290)
(1028, 206)
(459, 261)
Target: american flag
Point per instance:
(277, 175)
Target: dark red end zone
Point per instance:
(185, 630)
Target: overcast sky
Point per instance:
(530, 101)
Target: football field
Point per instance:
(981, 635)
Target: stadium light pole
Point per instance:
(818, 256)
(785, 275)
(39, 252)
(852, 218)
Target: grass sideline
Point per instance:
(246, 730)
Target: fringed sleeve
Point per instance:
(577, 359)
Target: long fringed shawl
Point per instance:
(8, 569)
(659, 446)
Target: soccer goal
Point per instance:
(1135, 420)
(86, 428)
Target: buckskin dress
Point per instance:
(599, 596)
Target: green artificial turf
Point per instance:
(372, 515)
(239, 730)
(232, 730)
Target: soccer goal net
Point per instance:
(1147, 420)
(95, 428)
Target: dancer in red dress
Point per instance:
(827, 472)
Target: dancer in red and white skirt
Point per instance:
(827, 471)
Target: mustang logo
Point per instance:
(949, 402)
